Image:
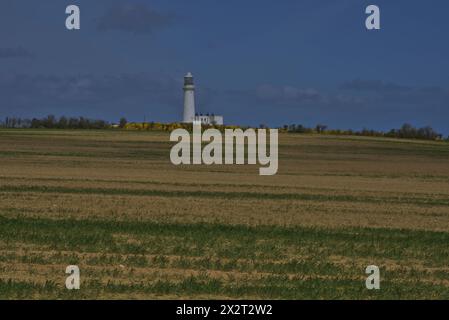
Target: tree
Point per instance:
(50, 121)
(63, 123)
(83, 123)
(73, 123)
(123, 122)
(301, 129)
(320, 128)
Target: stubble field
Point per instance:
(139, 227)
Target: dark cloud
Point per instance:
(354, 97)
(288, 94)
(17, 52)
(134, 18)
(277, 95)
(82, 91)
(396, 95)
(373, 86)
(294, 97)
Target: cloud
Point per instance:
(379, 86)
(17, 52)
(83, 91)
(287, 94)
(134, 18)
(352, 97)
(395, 95)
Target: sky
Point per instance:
(271, 62)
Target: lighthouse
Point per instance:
(189, 106)
(189, 99)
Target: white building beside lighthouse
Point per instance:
(189, 106)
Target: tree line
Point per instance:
(407, 131)
(52, 122)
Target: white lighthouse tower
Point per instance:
(189, 99)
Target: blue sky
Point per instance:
(254, 61)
